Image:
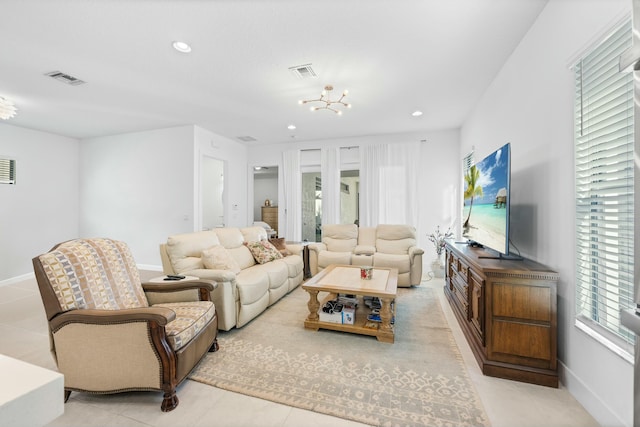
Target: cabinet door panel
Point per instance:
(521, 301)
(521, 339)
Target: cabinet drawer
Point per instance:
(476, 305)
(461, 297)
(462, 269)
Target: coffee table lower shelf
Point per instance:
(382, 334)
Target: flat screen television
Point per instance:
(485, 212)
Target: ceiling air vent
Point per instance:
(65, 78)
(246, 138)
(303, 71)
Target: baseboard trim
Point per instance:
(587, 398)
(17, 279)
(149, 267)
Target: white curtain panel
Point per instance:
(371, 159)
(330, 172)
(292, 227)
(389, 184)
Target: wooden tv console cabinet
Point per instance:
(507, 311)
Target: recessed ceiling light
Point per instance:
(416, 113)
(291, 127)
(181, 47)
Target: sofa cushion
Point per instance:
(340, 237)
(401, 262)
(185, 250)
(252, 285)
(395, 239)
(251, 234)
(218, 258)
(191, 317)
(230, 237)
(276, 271)
(280, 245)
(294, 264)
(326, 258)
(263, 251)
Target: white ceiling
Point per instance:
(394, 56)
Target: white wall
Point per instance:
(530, 104)
(138, 187)
(440, 176)
(142, 187)
(41, 210)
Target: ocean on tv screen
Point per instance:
(487, 226)
(486, 204)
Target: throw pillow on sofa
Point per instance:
(263, 251)
(280, 246)
(218, 258)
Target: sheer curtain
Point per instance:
(330, 172)
(389, 184)
(292, 180)
(371, 159)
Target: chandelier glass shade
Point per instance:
(7, 109)
(325, 102)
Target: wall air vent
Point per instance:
(303, 71)
(65, 78)
(246, 138)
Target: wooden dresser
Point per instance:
(270, 216)
(507, 311)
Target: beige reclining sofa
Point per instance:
(245, 288)
(382, 246)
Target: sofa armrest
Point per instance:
(364, 250)
(158, 315)
(414, 250)
(294, 248)
(211, 274)
(317, 247)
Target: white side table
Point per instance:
(31, 396)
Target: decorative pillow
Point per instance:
(263, 251)
(280, 246)
(218, 258)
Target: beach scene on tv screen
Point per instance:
(485, 211)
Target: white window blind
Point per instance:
(604, 188)
(7, 171)
(467, 162)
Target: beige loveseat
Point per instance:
(382, 246)
(242, 294)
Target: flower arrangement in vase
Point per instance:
(438, 240)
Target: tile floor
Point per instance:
(24, 336)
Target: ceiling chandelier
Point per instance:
(325, 101)
(7, 109)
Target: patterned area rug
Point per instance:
(420, 380)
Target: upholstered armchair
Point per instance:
(109, 332)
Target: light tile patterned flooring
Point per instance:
(23, 329)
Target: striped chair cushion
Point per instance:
(95, 274)
(191, 317)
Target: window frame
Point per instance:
(598, 301)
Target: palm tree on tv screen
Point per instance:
(473, 189)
